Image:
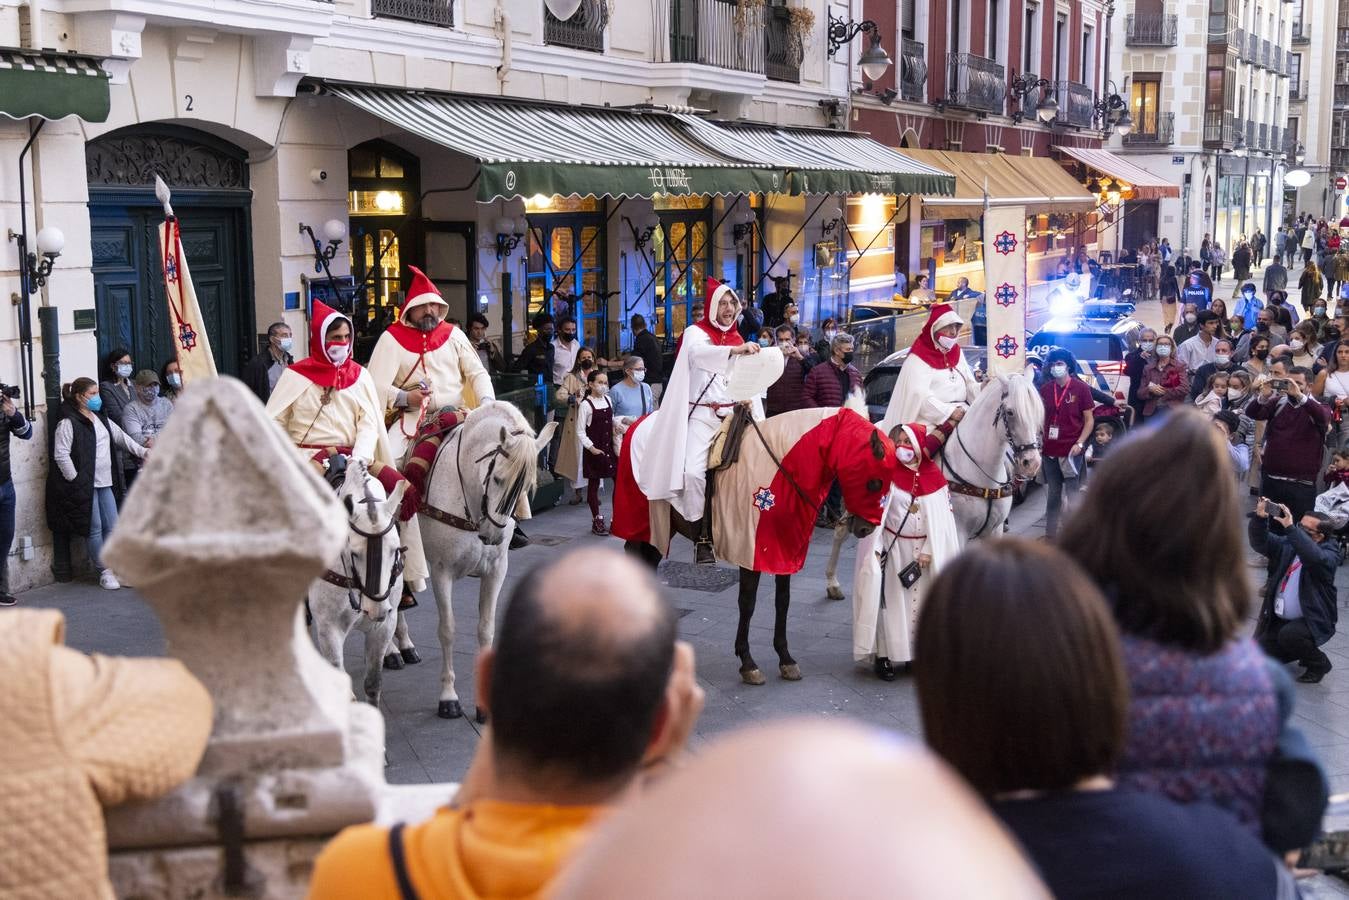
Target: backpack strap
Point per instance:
(400, 868)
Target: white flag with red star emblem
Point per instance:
(190, 342)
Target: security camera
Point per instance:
(318, 176)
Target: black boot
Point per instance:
(884, 670)
(704, 555)
(519, 539)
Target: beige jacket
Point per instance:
(79, 733)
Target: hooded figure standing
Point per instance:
(669, 453)
(329, 407)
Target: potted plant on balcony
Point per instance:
(748, 14)
(801, 29)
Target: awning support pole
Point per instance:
(552, 292)
(697, 251)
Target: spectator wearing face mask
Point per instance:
(170, 380)
(568, 399)
(1069, 420)
(632, 397)
(1202, 348)
(116, 392)
(1222, 362)
(1294, 439)
(146, 415)
(828, 331)
(1189, 324)
(1332, 386)
(597, 430)
(264, 370)
(1134, 363)
(1303, 345)
(1300, 607)
(785, 394)
(1248, 306)
(1165, 380)
(829, 384)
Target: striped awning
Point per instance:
(1039, 184)
(1146, 186)
(52, 86)
(529, 148)
(823, 161)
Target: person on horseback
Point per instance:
(935, 379)
(669, 454)
(329, 407)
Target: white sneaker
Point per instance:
(108, 581)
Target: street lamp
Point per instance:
(562, 10)
(830, 217)
(1020, 88)
(509, 232)
(875, 62)
(50, 243)
(1113, 112)
(335, 231)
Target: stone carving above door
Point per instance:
(133, 160)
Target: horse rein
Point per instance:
(508, 501)
(1002, 488)
(374, 541)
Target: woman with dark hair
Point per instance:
(117, 391)
(171, 379)
(1028, 699)
(1205, 714)
(84, 483)
(1168, 289)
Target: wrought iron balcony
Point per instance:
(913, 70)
(782, 61)
(1297, 91)
(1076, 103)
(973, 82)
(1289, 143)
(1153, 30)
(583, 31)
(1262, 137)
(1253, 48)
(1302, 32)
(1342, 96)
(1275, 139)
(1251, 135)
(1242, 44)
(1266, 58)
(424, 12)
(1156, 130)
(707, 32)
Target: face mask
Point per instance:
(946, 341)
(148, 394)
(829, 335)
(1320, 311)
(337, 353)
(124, 371)
(639, 375)
(568, 337)
(905, 454)
(1164, 350)
(765, 342)
(94, 403)
(1222, 359)
(587, 365)
(804, 348)
(1058, 371)
(1191, 318)
(286, 344)
(600, 389)
(847, 358)
(175, 379)
(793, 319)
(1261, 354)
(1295, 346)
(1148, 345)
(1235, 394)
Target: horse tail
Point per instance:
(632, 512)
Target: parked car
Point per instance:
(1099, 345)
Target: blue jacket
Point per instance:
(1316, 589)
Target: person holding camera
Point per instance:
(1294, 440)
(1299, 610)
(13, 423)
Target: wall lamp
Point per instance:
(1113, 112)
(743, 227)
(509, 233)
(874, 61)
(50, 243)
(1022, 86)
(830, 217)
(649, 226)
(335, 231)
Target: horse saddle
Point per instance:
(725, 448)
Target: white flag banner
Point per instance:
(1005, 288)
(191, 344)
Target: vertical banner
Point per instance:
(1005, 288)
(191, 344)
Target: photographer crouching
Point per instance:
(16, 425)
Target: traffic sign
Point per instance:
(1341, 183)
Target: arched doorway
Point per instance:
(209, 179)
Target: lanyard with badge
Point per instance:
(1058, 402)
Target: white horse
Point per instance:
(359, 591)
(997, 441)
(484, 467)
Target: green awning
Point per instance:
(52, 86)
(529, 148)
(822, 161)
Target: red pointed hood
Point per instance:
(317, 367)
(420, 293)
(926, 348)
(722, 337)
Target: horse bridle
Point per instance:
(374, 546)
(1003, 416)
(507, 501)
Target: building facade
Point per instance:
(1339, 129)
(1311, 74)
(1210, 109)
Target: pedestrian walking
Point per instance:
(1168, 290)
(85, 484)
(1069, 420)
(1310, 285)
(1300, 608)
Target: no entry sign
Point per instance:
(1341, 183)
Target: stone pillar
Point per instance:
(223, 533)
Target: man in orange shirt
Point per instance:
(587, 690)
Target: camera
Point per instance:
(318, 176)
(9, 390)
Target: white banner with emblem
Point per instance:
(1005, 288)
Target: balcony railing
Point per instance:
(1297, 91)
(1302, 32)
(913, 70)
(1251, 135)
(1266, 58)
(1289, 145)
(1341, 96)
(1242, 43)
(1158, 130)
(973, 82)
(782, 60)
(1275, 138)
(1253, 48)
(425, 12)
(1262, 136)
(705, 32)
(1075, 103)
(583, 31)
(1152, 30)
(1219, 128)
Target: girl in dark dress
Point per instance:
(595, 427)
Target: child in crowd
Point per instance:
(1101, 436)
(1215, 391)
(1334, 500)
(596, 428)
(1338, 473)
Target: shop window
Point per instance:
(384, 183)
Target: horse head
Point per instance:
(864, 460)
(497, 461)
(373, 558)
(1021, 415)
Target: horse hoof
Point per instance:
(480, 716)
(393, 661)
(753, 676)
(410, 655)
(450, 709)
(834, 592)
(791, 672)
